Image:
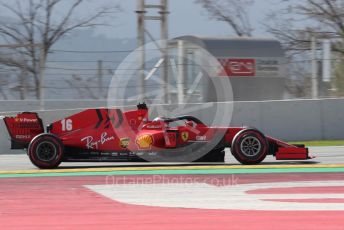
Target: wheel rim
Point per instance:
(250, 146)
(46, 151)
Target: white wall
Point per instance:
(294, 120)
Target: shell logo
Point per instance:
(144, 141)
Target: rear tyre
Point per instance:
(249, 147)
(46, 151)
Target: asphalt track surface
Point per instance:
(273, 195)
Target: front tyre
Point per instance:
(46, 151)
(249, 146)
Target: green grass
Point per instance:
(321, 143)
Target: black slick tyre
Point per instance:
(249, 147)
(46, 151)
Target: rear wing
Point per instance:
(23, 128)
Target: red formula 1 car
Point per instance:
(112, 135)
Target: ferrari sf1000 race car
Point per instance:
(110, 135)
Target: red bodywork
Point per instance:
(111, 130)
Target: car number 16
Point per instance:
(67, 125)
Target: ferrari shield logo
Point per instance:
(185, 136)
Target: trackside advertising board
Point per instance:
(248, 67)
